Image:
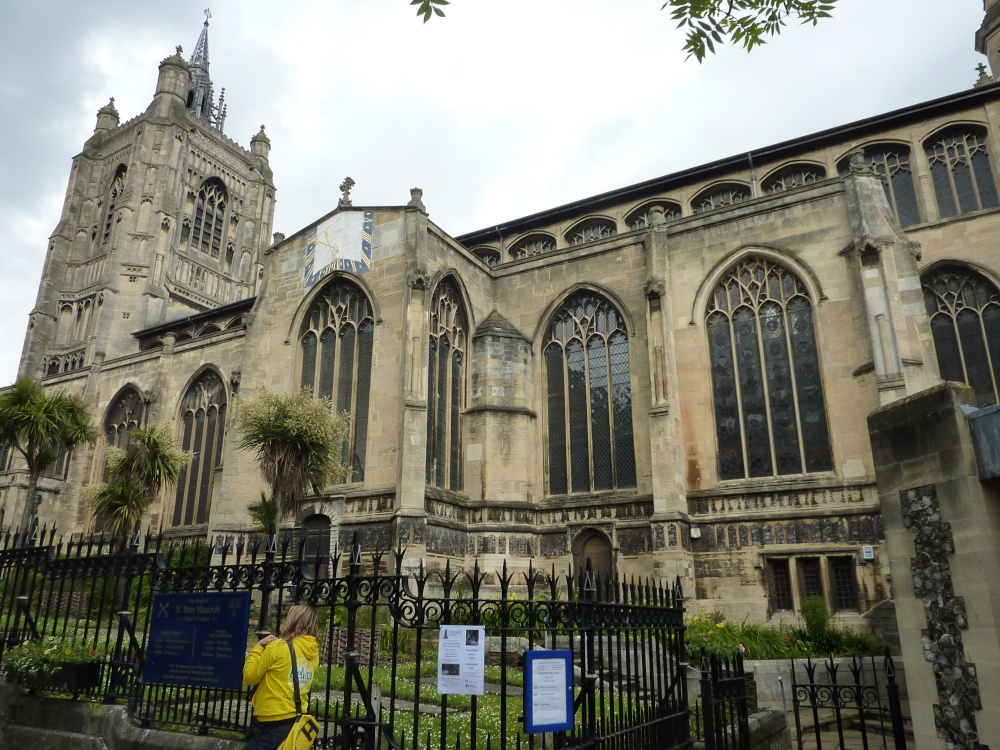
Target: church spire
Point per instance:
(201, 101)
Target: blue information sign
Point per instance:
(198, 639)
(548, 691)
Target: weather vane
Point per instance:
(208, 14)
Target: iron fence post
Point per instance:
(707, 703)
(267, 581)
(895, 709)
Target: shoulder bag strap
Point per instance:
(295, 681)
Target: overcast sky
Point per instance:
(504, 108)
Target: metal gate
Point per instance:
(833, 708)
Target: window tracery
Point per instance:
(770, 415)
(203, 416)
(964, 307)
(114, 193)
(487, 255)
(794, 176)
(336, 349)
(892, 162)
(125, 413)
(719, 197)
(640, 218)
(589, 395)
(597, 229)
(446, 386)
(533, 245)
(208, 226)
(961, 172)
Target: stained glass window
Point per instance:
(124, 414)
(794, 176)
(595, 229)
(336, 339)
(446, 386)
(209, 218)
(203, 416)
(960, 170)
(720, 196)
(640, 218)
(532, 245)
(892, 162)
(770, 416)
(964, 307)
(590, 444)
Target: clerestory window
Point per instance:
(770, 416)
(961, 172)
(532, 245)
(336, 343)
(964, 307)
(892, 162)
(793, 176)
(640, 218)
(720, 196)
(595, 229)
(449, 334)
(589, 394)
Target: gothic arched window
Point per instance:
(124, 414)
(640, 218)
(449, 334)
(114, 193)
(720, 196)
(208, 228)
(964, 307)
(589, 393)
(892, 162)
(588, 231)
(336, 340)
(770, 417)
(793, 176)
(488, 255)
(203, 415)
(532, 245)
(960, 170)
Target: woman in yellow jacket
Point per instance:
(269, 667)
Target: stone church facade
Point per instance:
(671, 378)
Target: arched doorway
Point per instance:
(596, 546)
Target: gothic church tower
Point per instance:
(164, 217)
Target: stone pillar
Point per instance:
(942, 528)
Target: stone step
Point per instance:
(14, 737)
(73, 717)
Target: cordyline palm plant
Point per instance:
(298, 441)
(149, 462)
(41, 426)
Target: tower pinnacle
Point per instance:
(201, 100)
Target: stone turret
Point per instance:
(107, 117)
(988, 35)
(174, 79)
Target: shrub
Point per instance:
(45, 656)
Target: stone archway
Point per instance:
(596, 546)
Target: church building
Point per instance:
(670, 379)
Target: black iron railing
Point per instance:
(626, 638)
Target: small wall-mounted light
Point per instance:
(696, 532)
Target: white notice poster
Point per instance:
(461, 659)
(548, 692)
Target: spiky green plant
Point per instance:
(298, 442)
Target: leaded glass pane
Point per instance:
(964, 308)
(579, 417)
(344, 360)
(788, 458)
(186, 470)
(621, 399)
(901, 187)
(845, 585)
(447, 379)
(984, 180)
(960, 171)
(765, 375)
(962, 175)
(597, 428)
(556, 395)
(207, 467)
(309, 361)
(781, 585)
(455, 457)
(942, 190)
(812, 581)
(360, 421)
(727, 412)
(204, 410)
(597, 352)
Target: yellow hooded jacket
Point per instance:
(270, 669)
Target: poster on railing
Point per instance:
(198, 640)
(548, 691)
(462, 659)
